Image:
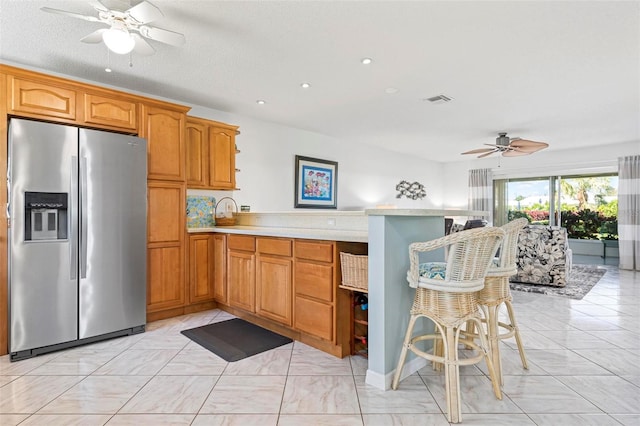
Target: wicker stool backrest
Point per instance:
(470, 254)
(506, 264)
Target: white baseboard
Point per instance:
(383, 381)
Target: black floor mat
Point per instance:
(235, 339)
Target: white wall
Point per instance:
(367, 176)
(600, 159)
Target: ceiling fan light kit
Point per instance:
(118, 40)
(128, 29)
(509, 147)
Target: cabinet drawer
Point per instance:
(314, 280)
(241, 242)
(315, 318)
(314, 250)
(274, 246)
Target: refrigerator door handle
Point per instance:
(83, 217)
(9, 190)
(73, 241)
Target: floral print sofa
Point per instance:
(543, 256)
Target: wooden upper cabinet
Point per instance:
(164, 129)
(197, 153)
(211, 154)
(110, 111)
(222, 157)
(31, 98)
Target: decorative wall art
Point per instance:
(413, 191)
(316, 183)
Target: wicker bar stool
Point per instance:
(496, 292)
(446, 294)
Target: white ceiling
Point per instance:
(566, 73)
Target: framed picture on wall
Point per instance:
(316, 183)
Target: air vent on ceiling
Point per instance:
(440, 99)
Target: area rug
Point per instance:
(235, 339)
(581, 279)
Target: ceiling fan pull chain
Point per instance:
(108, 68)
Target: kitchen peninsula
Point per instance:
(388, 233)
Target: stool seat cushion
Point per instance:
(432, 275)
(433, 270)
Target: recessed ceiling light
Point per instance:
(305, 85)
(107, 69)
(390, 90)
(366, 61)
(261, 102)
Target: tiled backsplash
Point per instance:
(200, 211)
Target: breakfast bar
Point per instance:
(388, 233)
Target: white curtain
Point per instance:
(629, 212)
(481, 191)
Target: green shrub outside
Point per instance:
(580, 224)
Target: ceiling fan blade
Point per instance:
(94, 37)
(72, 14)
(488, 153)
(118, 5)
(513, 153)
(520, 143)
(142, 47)
(478, 151)
(164, 36)
(145, 12)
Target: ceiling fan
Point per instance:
(127, 26)
(509, 147)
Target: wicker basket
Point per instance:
(226, 221)
(355, 272)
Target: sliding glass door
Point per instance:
(586, 205)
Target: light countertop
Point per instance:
(305, 233)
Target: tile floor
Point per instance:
(584, 361)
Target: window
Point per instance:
(587, 205)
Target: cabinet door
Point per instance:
(222, 158)
(41, 99)
(166, 212)
(273, 288)
(165, 242)
(164, 130)
(201, 268)
(220, 268)
(197, 154)
(165, 278)
(112, 112)
(241, 279)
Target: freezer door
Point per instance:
(43, 290)
(113, 226)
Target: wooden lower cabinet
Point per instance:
(220, 293)
(165, 280)
(201, 268)
(315, 288)
(274, 274)
(241, 272)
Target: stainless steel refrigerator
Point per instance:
(77, 239)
